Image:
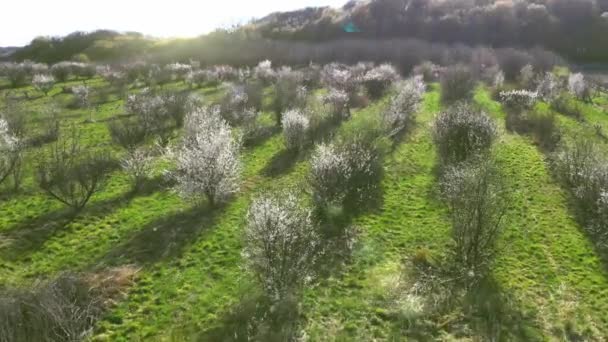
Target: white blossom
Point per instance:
(264, 72)
(404, 105)
(280, 244)
(577, 85)
(295, 129)
(43, 83)
(10, 149)
(138, 165)
(208, 162)
(81, 92)
(519, 99)
(548, 87)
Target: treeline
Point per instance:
(240, 49)
(574, 28)
(100, 45)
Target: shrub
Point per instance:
(43, 83)
(457, 83)
(81, 94)
(138, 165)
(567, 106)
(512, 61)
(312, 75)
(50, 129)
(178, 70)
(233, 103)
(476, 199)
(336, 76)
(196, 78)
(127, 133)
(64, 309)
(403, 106)
(289, 92)
(296, 127)
(526, 76)
(545, 130)
(158, 76)
(345, 172)
(518, 100)
(10, 151)
(149, 109)
(84, 70)
(280, 244)
(137, 71)
(70, 175)
(208, 159)
(499, 80)
(19, 73)
(578, 87)
(61, 71)
(461, 132)
(379, 79)
(251, 127)
(177, 105)
(429, 71)
(117, 79)
(264, 72)
(339, 102)
(548, 87)
(581, 166)
(255, 95)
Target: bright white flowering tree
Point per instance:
(404, 105)
(280, 244)
(577, 85)
(208, 164)
(296, 126)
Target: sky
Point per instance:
(23, 20)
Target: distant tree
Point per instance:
(379, 79)
(43, 83)
(457, 83)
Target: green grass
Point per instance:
(549, 280)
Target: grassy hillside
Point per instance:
(548, 282)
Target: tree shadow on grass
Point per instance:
(338, 233)
(29, 235)
(493, 314)
(165, 238)
(255, 318)
(484, 311)
(281, 163)
(261, 136)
